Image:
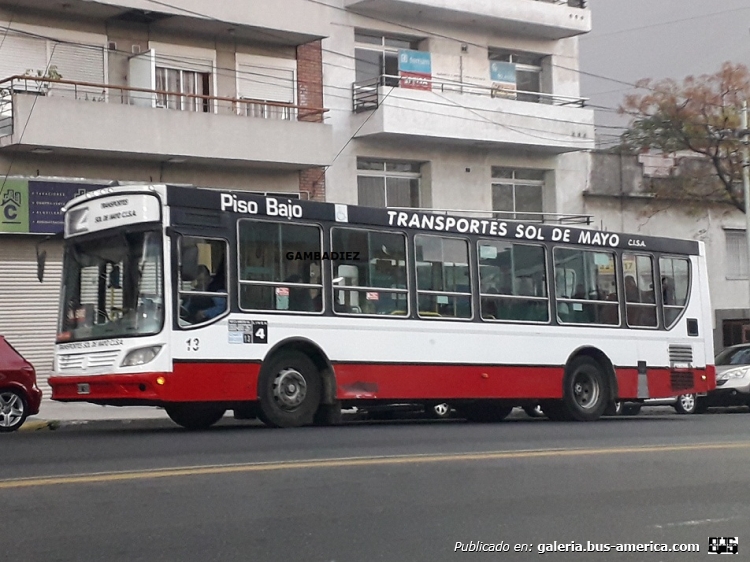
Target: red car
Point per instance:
(20, 397)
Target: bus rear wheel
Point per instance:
(289, 390)
(195, 416)
(585, 390)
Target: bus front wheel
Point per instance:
(195, 416)
(289, 390)
(586, 390)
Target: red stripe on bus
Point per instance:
(228, 381)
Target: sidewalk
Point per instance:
(54, 414)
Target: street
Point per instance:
(375, 491)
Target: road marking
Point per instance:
(346, 462)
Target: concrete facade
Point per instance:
(116, 130)
(458, 129)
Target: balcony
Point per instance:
(302, 22)
(453, 113)
(100, 120)
(543, 19)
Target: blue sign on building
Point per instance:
(504, 72)
(414, 61)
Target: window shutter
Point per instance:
(266, 83)
(20, 53)
(82, 63)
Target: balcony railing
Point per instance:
(366, 94)
(127, 95)
(525, 216)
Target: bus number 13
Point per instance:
(193, 344)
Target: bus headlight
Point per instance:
(141, 356)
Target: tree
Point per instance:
(700, 115)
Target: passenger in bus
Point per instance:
(632, 295)
(667, 291)
(200, 307)
(489, 305)
(300, 299)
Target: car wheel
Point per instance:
(534, 411)
(289, 390)
(686, 404)
(585, 390)
(195, 416)
(440, 411)
(13, 410)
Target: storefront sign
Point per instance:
(34, 206)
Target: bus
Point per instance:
(202, 301)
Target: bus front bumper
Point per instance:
(135, 389)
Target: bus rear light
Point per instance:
(141, 356)
(160, 381)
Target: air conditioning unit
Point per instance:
(135, 49)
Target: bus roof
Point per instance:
(244, 204)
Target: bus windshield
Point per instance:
(112, 287)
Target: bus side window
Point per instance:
(675, 283)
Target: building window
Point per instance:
(388, 183)
(735, 331)
(268, 85)
(528, 72)
(517, 192)
(376, 56)
(182, 82)
(736, 254)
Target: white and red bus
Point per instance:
(203, 301)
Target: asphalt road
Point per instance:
(404, 491)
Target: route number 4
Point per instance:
(260, 334)
(193, 344)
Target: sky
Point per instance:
(634, 39)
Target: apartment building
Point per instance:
(457, 105)
(466, 104)
(223, 94)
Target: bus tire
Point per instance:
(585, 389)
(195, 416)
(486, 412)
(289, 390)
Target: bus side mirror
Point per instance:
(41, 258)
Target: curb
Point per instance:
(40, 425)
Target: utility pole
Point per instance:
(746, 186)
